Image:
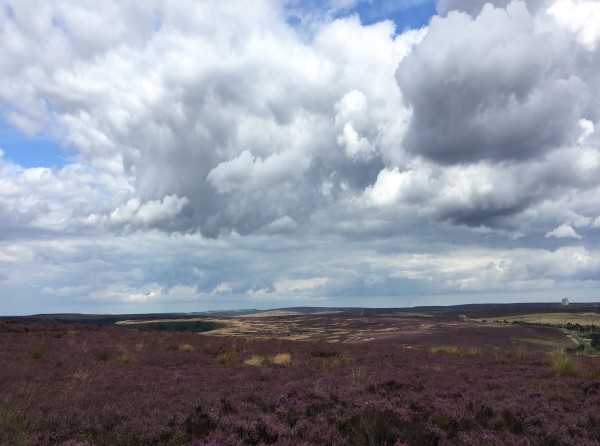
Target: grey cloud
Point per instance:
(471, 7)
(474, 7)
(490, 88)
(244, 133)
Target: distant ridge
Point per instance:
(474, 310)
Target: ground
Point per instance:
(351, 378)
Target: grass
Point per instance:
(281, 359)
(228, 356)
(562, 364)
(331, 360)
(359, 379)
(36, 353)
(520, 354)
(124, 356)
(549, 318)
(256, 361)
(455, 350)
(186, 347)
(593, 372)
(13, 429)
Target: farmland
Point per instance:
(551, 319)
(338, 378)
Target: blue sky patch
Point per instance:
(412, 14)
(406, 14)
(29, 151)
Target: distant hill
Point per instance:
(452, 311)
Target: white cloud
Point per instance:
(387, 188)
(563, 231)
(282, 225)
(289, 286)
(579, 17)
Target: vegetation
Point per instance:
(174, 323)
(595, 340)
(585, 325)
(280, 359)
(192, 326)
(187, 347)
(13, 429)
(106, 386)
(455, 350)
(36, 353)
(562, 364)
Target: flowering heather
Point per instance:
(111, 386)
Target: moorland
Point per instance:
(468, 375)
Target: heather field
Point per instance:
(416, 380)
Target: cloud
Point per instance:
(563, 231)
(581, 18)
(289, 150)
(507, 98)
(474, 7)
(251, 115)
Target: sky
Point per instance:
(183, 156)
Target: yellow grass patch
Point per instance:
(282, 359)
(124, 356)
(186, 347)
(455, 350)
(562, 364)
(256, 361)
(228, 356)
(520, 354)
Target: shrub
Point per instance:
(199, 424)
(595, 341)
(36, 353)
(562, 364)
(103, 355)
(373, 426)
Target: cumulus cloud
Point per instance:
(490, 87)
(276, 127)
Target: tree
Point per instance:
(595, 340)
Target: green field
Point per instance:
(548, 319)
